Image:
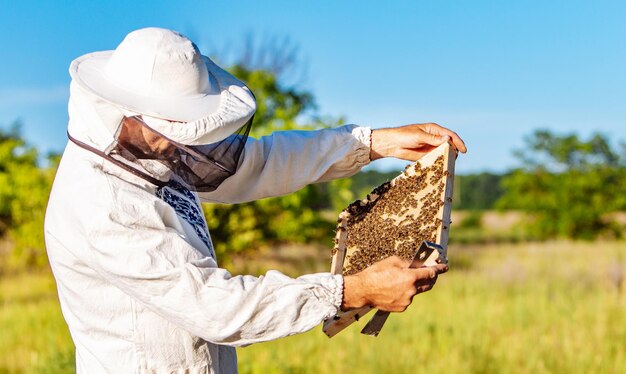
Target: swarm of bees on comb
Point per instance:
(398, 220)
(394, 219)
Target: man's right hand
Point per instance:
(388, 285)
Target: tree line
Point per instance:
(568, 186)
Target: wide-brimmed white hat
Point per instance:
(161, 73)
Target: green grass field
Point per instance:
(551, 307)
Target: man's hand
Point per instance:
(388, 285)
(411, 142)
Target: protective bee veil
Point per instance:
(160, 160)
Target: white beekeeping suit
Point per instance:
(137, 278)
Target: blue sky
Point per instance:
(494, 71)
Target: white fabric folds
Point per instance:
(141, 291)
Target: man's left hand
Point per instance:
(411, 142)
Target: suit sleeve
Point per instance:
(286, 161)
(154, 265)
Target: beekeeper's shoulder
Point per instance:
(93, 191)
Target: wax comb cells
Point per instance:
(394, 219)
(399, 218)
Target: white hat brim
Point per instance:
(89, 72)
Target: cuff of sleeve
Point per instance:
(336, 295)
(330, 291)
(364, 136)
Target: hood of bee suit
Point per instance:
(201, 110)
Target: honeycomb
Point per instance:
(395, 217)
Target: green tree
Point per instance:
(293, 218)
(477, 191)
(24, 190)
(568, 185)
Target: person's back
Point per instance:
(112, 331)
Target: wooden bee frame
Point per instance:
(393, 220)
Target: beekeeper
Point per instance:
(155, 128)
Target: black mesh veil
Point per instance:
(200, 168)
